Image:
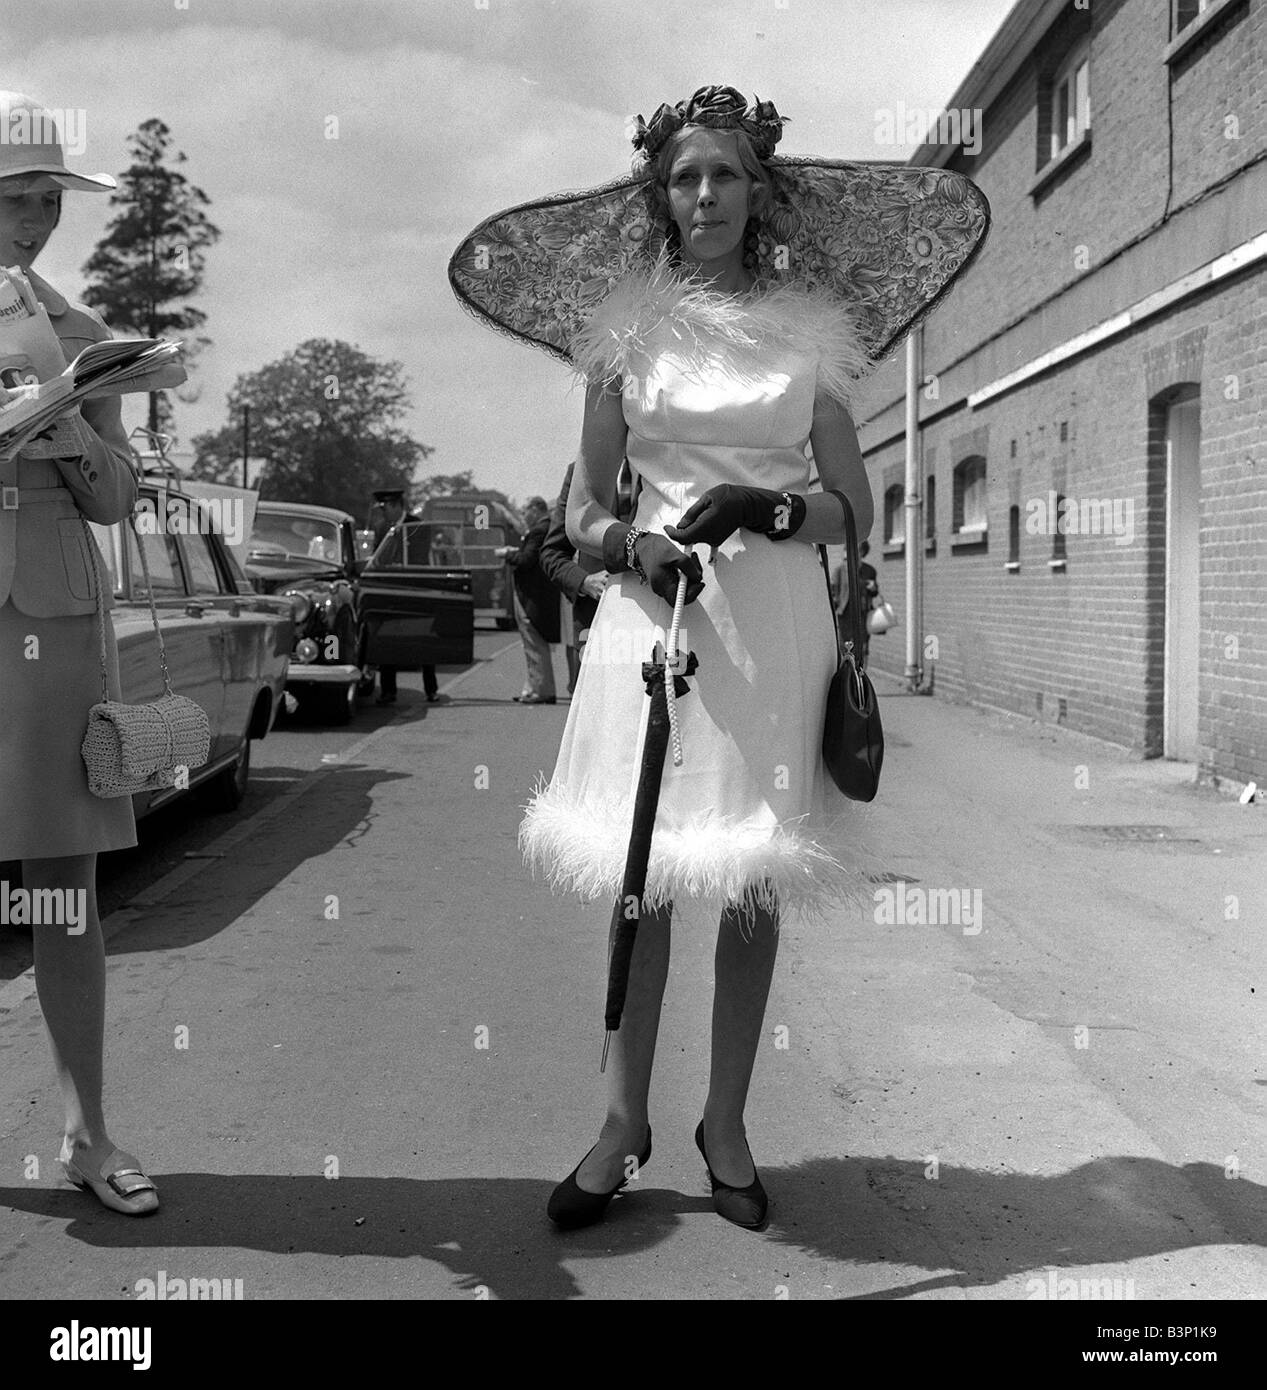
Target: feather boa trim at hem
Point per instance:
(581, 849)
(789, 315)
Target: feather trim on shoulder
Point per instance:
(621, 328)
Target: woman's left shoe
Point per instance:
(120, 1184)
(745, 1206)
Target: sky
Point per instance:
(446, 112)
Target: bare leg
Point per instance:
(70, 975)
(744, 966)
(631, 1056)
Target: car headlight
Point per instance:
(300, 604)
(306, 650)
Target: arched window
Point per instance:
(894, 520)
(969, 500)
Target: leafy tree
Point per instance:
(327, 417)
(150, 262)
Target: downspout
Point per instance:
(913, 505)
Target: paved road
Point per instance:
(372, 986)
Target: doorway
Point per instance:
(1182, 658)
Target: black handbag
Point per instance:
(853, 740)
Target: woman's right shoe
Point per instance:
(571, 1207)
(745, 1206)
(120, 1184)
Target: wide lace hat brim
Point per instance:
(888, 240)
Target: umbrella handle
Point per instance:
(670, 652)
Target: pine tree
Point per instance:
(151, 260)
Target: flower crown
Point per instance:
(717, 108)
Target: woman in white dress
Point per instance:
(711, 378)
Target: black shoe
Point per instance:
(538, 699)
(386, 699)
(745, 1206)
(571, 1206)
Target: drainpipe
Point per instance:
(914, 508)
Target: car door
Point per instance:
(223, 610)
(191, 634)
(413, 613)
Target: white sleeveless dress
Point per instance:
(716, 389)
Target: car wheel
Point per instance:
(337, 703)
(226, 789)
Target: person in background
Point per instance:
(581, 577)
(536, 604)
(392, 501)
(840, 596)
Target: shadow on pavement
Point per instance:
(327, 815)
(975, 1228)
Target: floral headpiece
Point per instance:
(717, 108)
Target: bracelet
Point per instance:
(796, 517)
(631, 554)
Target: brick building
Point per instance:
(1092, 508)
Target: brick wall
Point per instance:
(1084, 644)
(1090, 635)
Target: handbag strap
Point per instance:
(852, 557)
(101, 607)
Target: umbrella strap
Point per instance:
(670, 655)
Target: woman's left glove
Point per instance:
(725, 508)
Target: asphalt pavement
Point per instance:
(357, 1044)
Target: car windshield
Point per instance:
(425, 543)
(292, 535)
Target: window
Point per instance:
(1188, 10)
(163, 561)
(930, 511)
(1013, 538)
(1070, 101)
(107, 538)
(203, 577)
(1059, 550)
(970, 510)
(894, 520)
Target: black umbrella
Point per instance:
(661, 720)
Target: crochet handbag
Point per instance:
(137, 748)
(853, 740)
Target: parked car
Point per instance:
(308, 555)
(413, 608)
(472, 526)
(227, 647)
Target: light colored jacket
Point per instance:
(45, 561)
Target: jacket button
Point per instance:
(92, 477)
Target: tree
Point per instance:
(151, 260)
(327, 417)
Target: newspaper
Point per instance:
(35, 396)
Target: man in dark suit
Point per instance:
(581, 576)
(536, 605)
(392, 501)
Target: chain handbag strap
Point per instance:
(101, 607)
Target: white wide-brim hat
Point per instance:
(31, 147)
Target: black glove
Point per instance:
(660, 559)
(725, 508)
